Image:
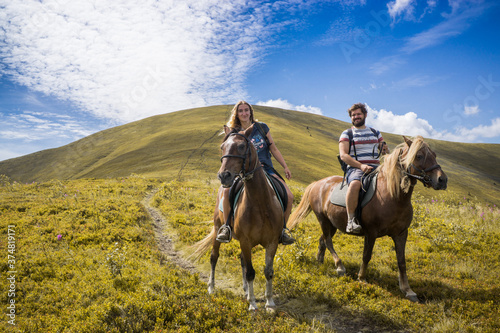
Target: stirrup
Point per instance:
(290, 240)
(223, 240)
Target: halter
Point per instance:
(244, 175)
(424, 177)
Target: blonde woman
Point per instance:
(242, 117)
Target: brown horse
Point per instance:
(257, 220)
(389, 213)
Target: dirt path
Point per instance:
(164, 242)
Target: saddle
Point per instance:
(369, 185)
(237, 188)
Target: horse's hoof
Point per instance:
(252, 307)
(340, 271)
(270, 304)
(413, 298)
(271, 309)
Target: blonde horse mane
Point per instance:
(395, 164)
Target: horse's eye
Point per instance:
(419, 157)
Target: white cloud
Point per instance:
(433, 36)
(453, 25)
(398, 7)
(416, 80)
(284, 104)
(386, 64)
(481, 131)
(127, 60)
(407, 124)
(410, 124)
(35, 126)
(471, 110)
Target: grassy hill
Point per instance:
(185, 144)
(87, 257)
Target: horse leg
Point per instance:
(214, 256)
(244, 272)
(269, 273)
(246, 254)
(400, 244)
(325, 242)
(321, 249)
(367, 256)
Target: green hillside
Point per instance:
(186, 144)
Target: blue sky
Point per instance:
(71, 68)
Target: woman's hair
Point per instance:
(358, 106)
(234, 121)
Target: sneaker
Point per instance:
(224, 234)
(285, 238)
(353, 227)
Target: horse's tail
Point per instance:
(203, 246)
(303, 209)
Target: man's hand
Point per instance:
(385, 149)
(366, 168)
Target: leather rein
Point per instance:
(423, 177)
(244, 175)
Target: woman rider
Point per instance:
(242, 118)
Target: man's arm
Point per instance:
(344, 155)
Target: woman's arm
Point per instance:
(277, 155)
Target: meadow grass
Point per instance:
(452, 256)
(86, 260)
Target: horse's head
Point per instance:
(238, 156)
(420, 163)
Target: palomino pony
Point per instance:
(389, 213)
(257, 220)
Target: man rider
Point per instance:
(361, 157)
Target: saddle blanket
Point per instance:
(338, 194)
(275, 184)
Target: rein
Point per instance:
(423, 177)
(244, 175)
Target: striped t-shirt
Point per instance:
(366, 144)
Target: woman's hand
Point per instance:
(288, 174)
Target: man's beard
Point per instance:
(360, 123)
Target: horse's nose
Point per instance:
(225, 178)
(443, 182)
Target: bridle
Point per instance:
(244, 175)
(423, 177)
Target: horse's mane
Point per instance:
(393, 166)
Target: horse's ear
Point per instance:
(408, 141)
(248, 131)
(227, 129)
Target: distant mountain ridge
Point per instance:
(186, 144)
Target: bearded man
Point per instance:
(359, 147)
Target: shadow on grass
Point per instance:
(427, 290)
